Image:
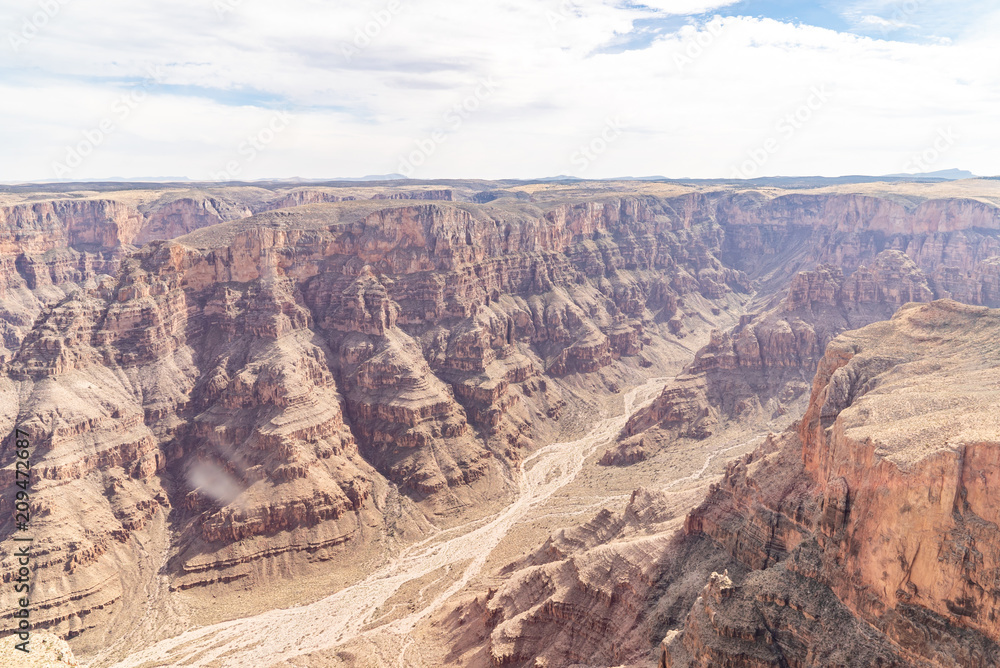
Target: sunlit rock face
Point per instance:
(240, 403)
(234, 387)
(868, 529)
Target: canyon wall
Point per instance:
(863, 535)
(244, 403)
(839, 263)
(49, 247)
(868, 531)
(276, 389)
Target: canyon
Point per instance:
(499, 423)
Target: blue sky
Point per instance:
(918, 21)
(248, 89)
(822, 14)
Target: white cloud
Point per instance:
(879, 22)
(359, 112)
(687, 7)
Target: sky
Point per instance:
(236, 90)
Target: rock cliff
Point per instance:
(580, 597)
(868, 528)
(280, 380)
(758, 370)
(255, 391)
(50, 247)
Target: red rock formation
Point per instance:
(876, 506)
(36, 228)
(302, 197)
(411, 427)
(259, 384)
(443, 195)
(579, 597)
(755, 370)
(174, 218)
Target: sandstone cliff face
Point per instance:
(50, 248)
(412, 428)
(443, 195)
(252, 390)
(875, 507)
(36, 228)
(270, 469)
(180, 216)
(757, 370)
(579, 598)
(848, 230)
(864, 257)
(950, 240)
(304, 196)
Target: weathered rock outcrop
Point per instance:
(491, 195)
(869, 528)
(271, 466)
(775, 237)
(44, 651)
(43, 226)
(174, 218)
(252, 390)
(758, 370)
(50, 248)
(273, 392)
(444, 195)
(412, 428)
(578, 598)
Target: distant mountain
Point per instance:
(561, 177)
(786, 181)
(185, 179)
(821, 181)
(946, 174)
(371, 177)
(110, 179)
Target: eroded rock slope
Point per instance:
(252, 401)
(305, 376)
(869, 531)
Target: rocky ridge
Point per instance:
(51, 246)
(867, 529)
(256, 391)
(756, 370)
(863, 535)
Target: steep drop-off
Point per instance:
(304, 380)
(248, 402)
(869, 530)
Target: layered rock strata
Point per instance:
(757, 370)
(256, 390)
(579, 598)
(863, 535)
(868, 528)
(48, 248)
